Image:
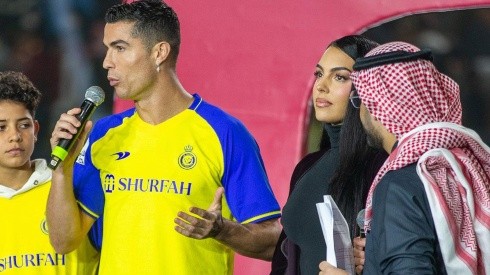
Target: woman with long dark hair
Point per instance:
(343, 167)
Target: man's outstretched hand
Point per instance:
(208, 224)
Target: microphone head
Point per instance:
(360, 218)
(95, 94)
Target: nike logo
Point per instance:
(121, 155)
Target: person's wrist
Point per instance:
(218, 231)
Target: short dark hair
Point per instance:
(15, 86)
(154, 21)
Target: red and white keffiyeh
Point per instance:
(422, 108)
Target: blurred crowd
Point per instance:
(57, 44)
(460, 42)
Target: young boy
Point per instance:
(24, 188)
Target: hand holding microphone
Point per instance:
(360, 222)
(94, 96)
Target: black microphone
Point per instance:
(94, 96)
(360, 223)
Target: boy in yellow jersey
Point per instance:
(140, 171)
(24, 188)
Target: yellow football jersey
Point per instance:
(24, 241)
(138, 176)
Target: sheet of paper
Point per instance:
(326, 220)
(336, 233)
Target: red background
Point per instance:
(255, 59)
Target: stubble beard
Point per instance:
(374, 140)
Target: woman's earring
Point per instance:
(158, 68)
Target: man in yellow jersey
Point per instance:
(24, 188)
(142, 170)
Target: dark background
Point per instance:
(460, 43)
(58, 45)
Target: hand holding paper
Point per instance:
(336, 233)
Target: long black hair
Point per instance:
(358, 165)
(358, 162)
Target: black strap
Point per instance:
(363, 63)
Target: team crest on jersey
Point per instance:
(44, 226)
(187, 160)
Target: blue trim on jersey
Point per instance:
(92, 198)
(247, 188)
(197, 101)
(95, 234)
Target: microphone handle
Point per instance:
(61, 150)
(362, 234)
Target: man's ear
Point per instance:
(161, 52)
